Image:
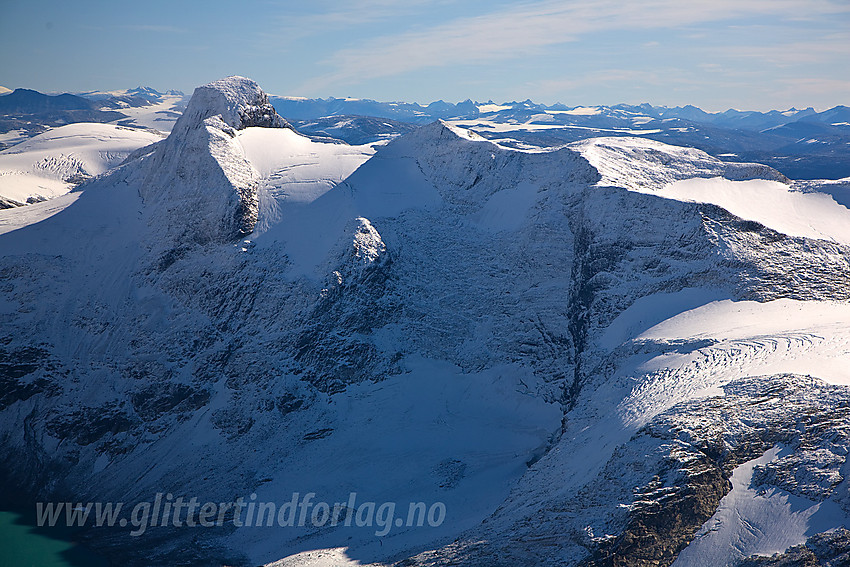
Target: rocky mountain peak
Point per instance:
(238, 101)
(197, 185)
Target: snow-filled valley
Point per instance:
(613, 352)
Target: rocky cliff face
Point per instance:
(197, 186)
(829, 549)
(453, 321)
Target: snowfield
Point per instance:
(614, 352)
(736, 340)
(773, 204)
(17, 217)
(51, 164)
(161, 115)
(296, 168)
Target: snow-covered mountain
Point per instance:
(616, 352)
(803, 144)
(25, 113)
(143, 107)
(53, 143)
(301, 108)
(351, 129)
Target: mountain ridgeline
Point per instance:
(803, 144)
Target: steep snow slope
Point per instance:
(14, 218)
(51, 164)
(238, 310)
(753, 521)
(773, 204)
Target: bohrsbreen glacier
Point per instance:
(574, 350)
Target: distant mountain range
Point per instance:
(299, 108)
(34, 112)
(803, 144)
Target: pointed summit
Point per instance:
(238, 101)
(197, 185)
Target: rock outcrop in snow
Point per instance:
(238, 102)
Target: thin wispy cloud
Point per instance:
(286, 26)
(330, 17)
(529, 29)
(357, 12)
(606, 78)
(816, 91)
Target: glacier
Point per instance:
(51, 164)
(573, 349)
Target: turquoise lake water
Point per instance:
(22, 544)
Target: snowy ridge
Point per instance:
(536, 339)
(750, 191)
(661, 164)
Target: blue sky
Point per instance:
(717, 54)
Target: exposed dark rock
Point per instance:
(666, 514)
(231, 422)
(720, 434)
(288, 403)
(16, 364)
(449, 473)
(318, 434)
(827, 549)
(158, 399)
(87, 425)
